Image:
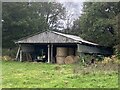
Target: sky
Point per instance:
(73, 10)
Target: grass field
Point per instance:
(43, 75)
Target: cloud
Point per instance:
(73, 10)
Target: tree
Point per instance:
(23, 18)
(98, 22)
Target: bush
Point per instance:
(103, 65)
(6, 58)
(93, 68)
(89, 59)
(9, 52)
(118, 55)
(117, 51)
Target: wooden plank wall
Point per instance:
(93, 49)
(47, 37)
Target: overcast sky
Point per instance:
(73, 9)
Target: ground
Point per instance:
(43, 75)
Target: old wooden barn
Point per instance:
(56, 47)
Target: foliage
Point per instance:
(85, 59)
(99, 23)
(6, 58)
(43, 75)
(101, 67)
(22, 18)
(9, 52)
(118, 55)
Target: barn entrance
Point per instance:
(61, 51)
(32, 52)
(40, 53)
(51, 53)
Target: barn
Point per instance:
(56, 47)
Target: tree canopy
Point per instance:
(21, 19)
(98, 22)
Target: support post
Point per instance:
(78, 48)
(16, 58)
(80, 53)
(52, 53)
(48, 53)
(20, 55)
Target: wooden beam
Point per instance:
(16, 58)
(78, 48)
(48, 53)
(20, 55)
(52, 53)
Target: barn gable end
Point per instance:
(47, 37)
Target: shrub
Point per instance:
(118, 55)
(106, 65)
(9, 52)
(6, 58)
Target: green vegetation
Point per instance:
(99, 23)
(21, 19)
(43, 75)
(11, 53)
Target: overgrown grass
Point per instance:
(43, 75)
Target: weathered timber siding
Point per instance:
(87, 49)
(93, 49)
(27, 48)
(47, 37)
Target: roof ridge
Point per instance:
(64, 35)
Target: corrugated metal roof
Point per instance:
(77, 38)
